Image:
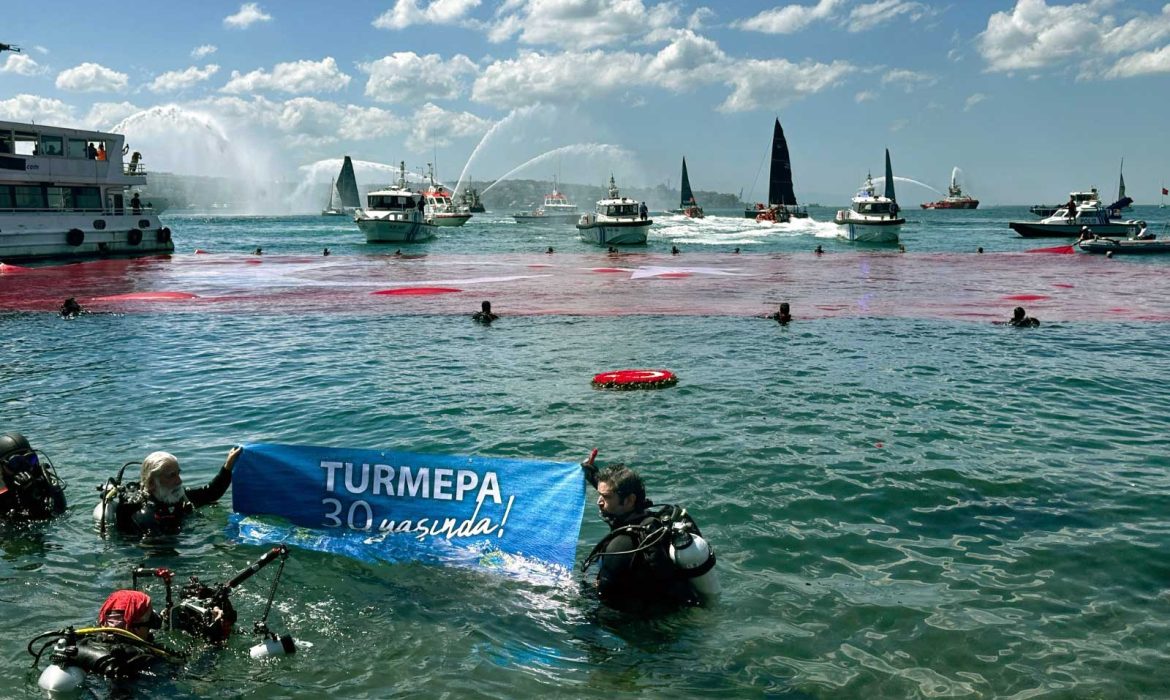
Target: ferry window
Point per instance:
(5, 197)
(27, 143)
(29, 197)
(87, 198)
(6, 142)
(58, 197)
(76, 148)
(52, 146)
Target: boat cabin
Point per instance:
(391, 200)
(625, 208)
(875, 208)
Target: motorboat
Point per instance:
(955, 198)
(66, 193)
(440, 207)
(687, 205)
(395, 214)
(348, 199)
(557, 209)
(1141, 244)
(469, 199)
(872, 218)
(781, 205)
(1068, 221)
(617, 221)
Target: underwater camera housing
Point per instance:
(204, 612)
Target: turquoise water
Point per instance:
(902, 507)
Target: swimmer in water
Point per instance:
(782, 316)
(484, 315)
(71, 309)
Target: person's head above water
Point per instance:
(131, 611)
(160, 477)
(486, 307)
(620, 491)
(1018, 313)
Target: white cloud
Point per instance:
(790, 18)
(295, 77)
(92, 77)
(973, 100)
(865, 96)
(908, 79)
(104, 115)
(408, 77)
(406, 13)
(534, 77)
(775, 83)
(581, 24)
(688, 60)
(1144, 63)
(899, 124)
(433, 126)
(1138, 33)
(865, 17)
(173, 81)
(1034, 35)
(699, 18)
(42, 110)
(22, 64)
(203, 51)
(249, 14)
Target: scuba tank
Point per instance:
(695, 560)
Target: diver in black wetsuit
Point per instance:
(484, 315)
(158, 502)
(1021, 319)
(783, 316)
(637, 571)
(29, 487)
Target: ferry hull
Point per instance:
(395, 230)
(29, 237)
(615, 233)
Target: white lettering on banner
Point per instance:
(360, 517)
(418, 482)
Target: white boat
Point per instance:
(557, 208)
(873, 218)
(439, 206)
(395, 215)
(617, 221)
(1083, 209)
(64, 193)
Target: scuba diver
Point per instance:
(122, 646)
(653, 556)
(158, 502)
(484, 315)
(29, 487)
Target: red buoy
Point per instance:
(416, 291)
(635, 379)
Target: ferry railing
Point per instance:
(99, 211)
(133, 168)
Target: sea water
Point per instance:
(906, 500)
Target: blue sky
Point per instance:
(1030, 99)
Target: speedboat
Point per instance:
(872, 218)
(439, 205)
(955, 198)
(617, 221)
(1141, 244)
(63, 197)
(395, 214)
(1084, 209)
(557, 209)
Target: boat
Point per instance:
(439, 206)
(617, 221)
(687, 204)
(348, 198)
(781, 205)
(1067, 221)
(470, 201)
(955, 198)
(1123, 203)
(395, 214)
(1129, 246)
(557, 209)
(872, 218)
(62, 197)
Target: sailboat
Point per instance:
(687, 202)
(781, 205)
(1123, 203)
(873, 218)
(347, 191)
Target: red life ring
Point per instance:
(134, 236)
(635, 379)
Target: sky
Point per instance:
(1030, 99)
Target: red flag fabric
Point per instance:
(1165, 191)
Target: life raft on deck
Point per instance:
(635, 379)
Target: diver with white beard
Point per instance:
(158, 502)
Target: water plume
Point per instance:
(584, 149)
(513, 116)
(898, 178)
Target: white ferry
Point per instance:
(64, 193)
(395, 214)
(617, 221)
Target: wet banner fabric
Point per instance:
(376, 505)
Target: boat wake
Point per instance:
(733, 230)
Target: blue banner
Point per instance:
(511, 514)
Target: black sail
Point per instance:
(688, 197)
(780, 180)
(347, 186)
(889, 178)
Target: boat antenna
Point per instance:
(10, 47)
